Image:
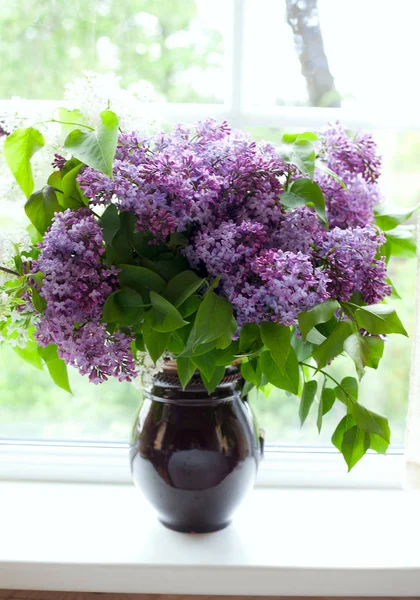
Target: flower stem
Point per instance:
(6, 270)
(332, 379)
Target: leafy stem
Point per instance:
(9, 271)
(345, 392)
(65, 123)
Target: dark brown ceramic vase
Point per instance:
(195, 455)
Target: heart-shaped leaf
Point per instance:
(18, 149)
(96, 148)
(41, 208)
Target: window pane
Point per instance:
(173, 44)
(352, 53)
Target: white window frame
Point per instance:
(293, 466)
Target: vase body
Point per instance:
(194, 455)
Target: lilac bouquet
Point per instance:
(203, 246)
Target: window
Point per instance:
(241, 60)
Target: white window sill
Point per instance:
(305, 542)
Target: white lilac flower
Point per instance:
(91, 94)
(94, 92)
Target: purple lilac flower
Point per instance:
(58, 162)
(227, 250)
(298, 231)
(352, 266)
(224, 192)
(291, 284)
(357, 163)
(350, 207)
(350, 155)
(75, 287)
(208, 176)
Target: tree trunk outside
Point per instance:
(302, 16)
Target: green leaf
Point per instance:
(303, 349)
(248, 386)
(379, 319)
(140, 343)
(344, 425)
(18, 149)
(57, 368)
(30, 354)
(326, 402)
(141, 279)
(307, 398)
(206, 364)
(40, 304)
(156, 343)
(251, 371)
(70, 119)
(310, 193)
(189, 306)
(328, 327)
(226, 356)
(276, 338)
(378, 444)
(168, 268)
(165, 317)
(290, 138)
(110, 223)
(371, 422)
(307, 135)
(186, 370)
(176, 345)
(348, 390)
(287, 379)
(300, 153)
(125, 307)
(72, 197)
(387, 218)
(358, 352)
(216, 378)
(319, 314)
(364, 351)
(402, 241)
(355, 445)
(250, 338)
(376, 349)
(41, 208)
(333, 345)
(96, 148)
(182, 286)
(323, 167)
(214, 316)
(225, 339)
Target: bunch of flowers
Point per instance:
(209, 247)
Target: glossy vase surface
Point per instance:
(194, 455)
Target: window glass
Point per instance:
(180, 46)
(173, 44)
(356, 54)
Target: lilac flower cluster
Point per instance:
(358, 164)
(75, 287)
(174, 180)
(350, 255)
(223, 191)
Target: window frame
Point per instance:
(291, 466)
(282, 466)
